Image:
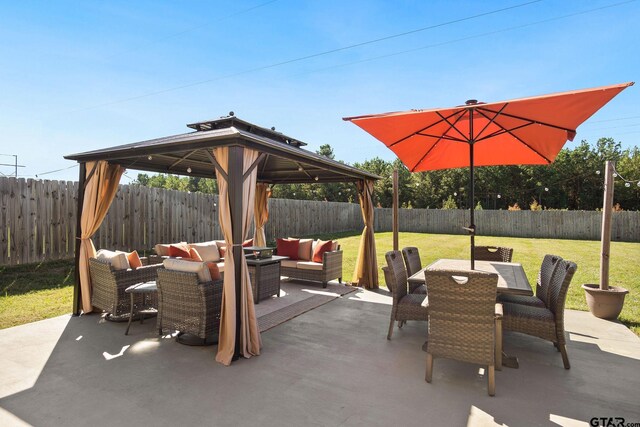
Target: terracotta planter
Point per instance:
(604, 304)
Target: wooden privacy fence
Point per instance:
(38, 220)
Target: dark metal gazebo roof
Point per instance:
(284, 161)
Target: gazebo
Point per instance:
(245, 159)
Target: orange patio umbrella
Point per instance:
(526, 131)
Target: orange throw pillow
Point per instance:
(288, 247)
(194, 255)
(134, 260)
(179, 251)
(321, 247)
(214, 271)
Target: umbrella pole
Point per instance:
(472, 227)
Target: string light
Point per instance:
(627, 182)
(188, 170)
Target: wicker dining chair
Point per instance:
(406, 306)
(545, 322)
(189, 306)
(541, 298)
(464, 319)
(412, 261)
(108, 286)
(492, 253)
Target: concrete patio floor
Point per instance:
(331, 366)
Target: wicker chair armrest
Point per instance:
(140, 274)
(144, 260)
(331, 259)
(498, 311)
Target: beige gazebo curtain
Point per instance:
(101, 184)
(263, 192)
(250, 341)
(366, 272)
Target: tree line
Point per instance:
(574, 181)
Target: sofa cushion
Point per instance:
(134, 260)
(288, 263)
(321, 248)
(334, 246)
(194, 255)
(200, 268)
(305, 248)
(288, 248)
(118, 260)
(179, 250)
(309, 265)
(208, 251)
(214, 271)
(162, 249)
(220, 265)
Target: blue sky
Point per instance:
(82, 75)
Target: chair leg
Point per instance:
(491, 381)
(498, 356)
(390, 328)
(324, 284)
(565, 358)
(400, 324)
(429, 373)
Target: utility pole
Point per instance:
(14, 164)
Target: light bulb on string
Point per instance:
(546, 188)
(627, 184)
(597, 172)
(615, 175)
(188, 170)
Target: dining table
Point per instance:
(511, 280)
(511, 276)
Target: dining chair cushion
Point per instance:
(529, 320)
(532, 301)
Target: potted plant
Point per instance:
(605, 301)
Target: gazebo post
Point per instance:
(236, 181)
(77, 292)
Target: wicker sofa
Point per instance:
(305, 269)
(109, 284)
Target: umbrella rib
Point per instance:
(448, 138)
(509, 131)
(421, 130)
(441, 137)
(513, 116)
(491, 120)
(453, 125)
(503, 130)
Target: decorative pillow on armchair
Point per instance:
(118, 260)
(208, 251)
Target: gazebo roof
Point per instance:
(284, 161)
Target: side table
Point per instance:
(148, 292)
(265, 276)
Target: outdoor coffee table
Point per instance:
(265, 276)
(147, 290)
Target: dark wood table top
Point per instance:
(511, 276)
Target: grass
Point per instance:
(35, 292)
(39, 291)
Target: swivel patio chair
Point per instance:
(545, 322)
(108, 286)
(406, 306)
(412, 261)
(541, 298)
(492, 253)
(464, 320)
(189, 306)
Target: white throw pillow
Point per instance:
(199, 268)
(208, 251)
(118, 260)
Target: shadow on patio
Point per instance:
(329, 366)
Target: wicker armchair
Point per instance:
(412, 261)
(462, 319)
(545, 322)
(189, 306)
(541, 298)
(108, 286)
(406, 306)
(492, 253)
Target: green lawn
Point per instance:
(39, 291)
